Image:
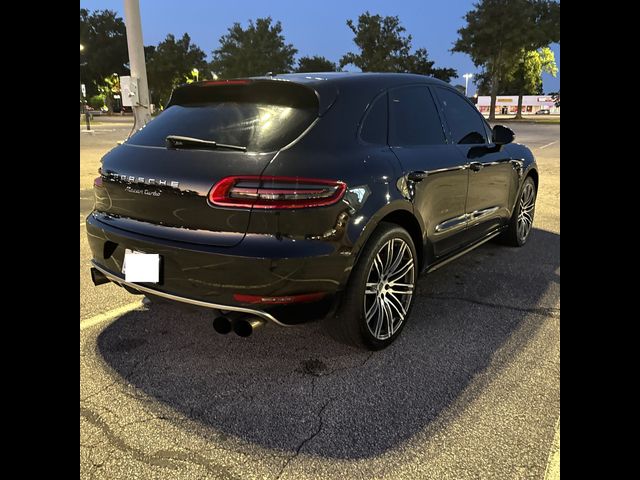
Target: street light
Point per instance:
(466, 76)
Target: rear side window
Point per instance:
(261, 117)
(374, 127)
(413, 117)
(463, 119)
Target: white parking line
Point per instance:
(552, 471)
(548, 145)
(90, 322)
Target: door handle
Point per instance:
(476, 166)
(417, 176)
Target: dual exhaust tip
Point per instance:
(242, 324)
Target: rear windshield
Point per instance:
(261, 117)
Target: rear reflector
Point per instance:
(304, 298)
(275, 192)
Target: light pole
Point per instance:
(466, 76)
(137, 64)
(81, 49)
(83, 97)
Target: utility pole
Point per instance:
(137, 66)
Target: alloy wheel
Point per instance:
(525, 215)
(389, 288)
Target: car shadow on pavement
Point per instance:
(289, 388)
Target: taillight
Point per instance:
(275, 192)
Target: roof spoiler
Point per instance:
(276, 89)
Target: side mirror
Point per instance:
(501, 135)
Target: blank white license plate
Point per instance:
(141, 267)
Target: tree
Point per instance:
(497, 32)
(315, 64)
(259, 49)
(483, 84)
(419, 63)
(384, 48)
(103, 36)
(170, 64)
(149, 51)
(526, 77)
(109, 86)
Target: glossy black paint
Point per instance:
(502, 135)
(447, 196)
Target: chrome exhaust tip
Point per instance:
(222, 325)
(244, 327)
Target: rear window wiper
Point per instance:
(177, 141)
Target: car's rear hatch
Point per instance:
(159, 188)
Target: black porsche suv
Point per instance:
(259, 196)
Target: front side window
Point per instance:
(413, 118)
(465, 123)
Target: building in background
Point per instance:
(508, 104)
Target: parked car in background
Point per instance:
(543, 111)
(257, 196)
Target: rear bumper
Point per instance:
(119, 279)
(262, 265)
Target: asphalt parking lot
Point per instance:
(469, 391)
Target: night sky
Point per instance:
(315, 27)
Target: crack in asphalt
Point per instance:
(318, 374)
(544, 311)
(308, 439)
(153, 416)
(97, 466)
(100, 390)
(161, 458)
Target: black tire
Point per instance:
(512, 236)
(348, 325)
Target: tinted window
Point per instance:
(413, 118)
(463, 119)
(262, 118)
(374, 128)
